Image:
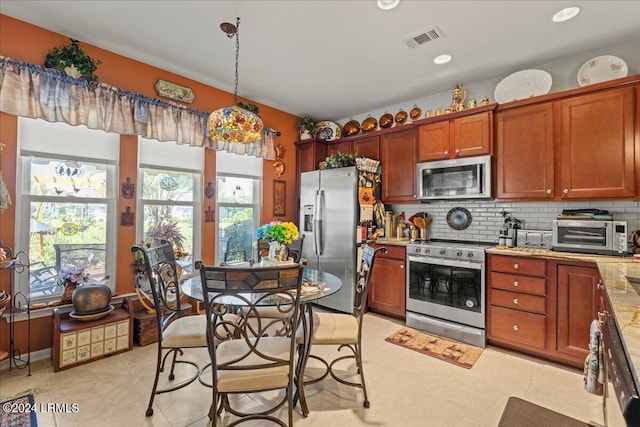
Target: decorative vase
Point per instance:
(67, 294)
(91, 298)
(277, 251)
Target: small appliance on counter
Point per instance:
(604, 237)
(539, 239)
(509, 231)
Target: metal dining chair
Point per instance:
(175, 333)
(340, 329)
(256, 360)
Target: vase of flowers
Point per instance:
(278, 234)
(71, 278)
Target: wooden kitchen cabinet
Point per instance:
(465, 136)
(517, 308)
(578, 298)
(597, 145)
(578, 145)
(333, 147)
(542, 307)
(387, 289)
(368, 147)
(524, 153)
(398, 153)
(309, 153)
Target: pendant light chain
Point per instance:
(235, 92)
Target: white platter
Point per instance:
(522, 84)
(600, 69)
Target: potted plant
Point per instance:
(71, 278)
(307, 127)
(73, 61)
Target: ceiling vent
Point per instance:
(430, 34)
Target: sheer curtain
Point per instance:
(29, 90)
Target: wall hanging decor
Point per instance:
(278, 167)
(127, 218)
(280, 150)
(209, 215)
(173, 91)
(128, 190)
(279, 198)
(209, 192)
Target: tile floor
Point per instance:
(406, 388)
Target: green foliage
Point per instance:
(64, 57)
(249, 107)
(240, 241)
(339, 160)
(307, 123)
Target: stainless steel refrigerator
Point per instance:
(329, 215)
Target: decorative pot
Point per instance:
(67, 294)
(91, 298)
(305, 134)
(277, 251)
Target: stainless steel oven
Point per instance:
(446, 289)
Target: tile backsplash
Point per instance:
(487, 216)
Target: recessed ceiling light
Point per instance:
(566, 14)
(387, 4)
(442, 59)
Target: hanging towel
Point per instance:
(594, 363)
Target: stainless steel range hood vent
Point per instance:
(424, 37)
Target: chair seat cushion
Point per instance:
(187, 331)
(332, 328)
(248, 380)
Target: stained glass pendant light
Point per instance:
(234, 124)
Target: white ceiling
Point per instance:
(334, 59)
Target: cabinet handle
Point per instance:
(515, 301)
(402, 267)
(516, 266)
(549, 191)
(516, 283)
(516, 328)
(446, 153)
(600, 285)
(457, 151)
(565, 191)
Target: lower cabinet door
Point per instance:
(518, 327)
(387, 290)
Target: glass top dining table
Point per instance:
(315, 285)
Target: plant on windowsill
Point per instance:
(71, 278)
(73, 61)
(169, 231)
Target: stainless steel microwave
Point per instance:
(466, 178)
(590, 236)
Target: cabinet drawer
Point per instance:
(518, 283)
(393, 251)
(518, 327)
(526, 266)
(518, 301)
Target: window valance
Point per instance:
(33, 91)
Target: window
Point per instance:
(169, 197)
(238, 200)
(67, 202)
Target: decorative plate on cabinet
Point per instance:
(523, 84)
(369, 124)
(386, 121)
(600, 69)
(401, 117)
(459, 218)
(352, 127)
(328, 131)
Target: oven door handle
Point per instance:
(473, 265)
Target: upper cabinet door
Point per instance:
(341, 146)
(368, 147)
(433, 141)
(398, 160)
(524, 153)
(472, 135)
(597, 145)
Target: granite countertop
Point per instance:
(625, 299)
(396, 242)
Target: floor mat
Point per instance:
(520, 413)
(18, 412)
(455, 352)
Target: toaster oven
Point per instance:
(590, 236)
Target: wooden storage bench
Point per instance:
(76, 343)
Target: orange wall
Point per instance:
(26, 42)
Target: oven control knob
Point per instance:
(418, 250)
(442, 252)
(427, 250)
(470, 254)
(458, 253)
